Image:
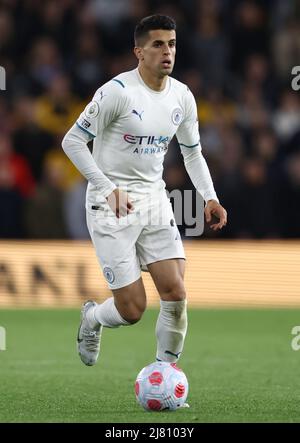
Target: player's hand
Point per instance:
(213, 208)
(119, 203)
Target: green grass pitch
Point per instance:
(240, 366)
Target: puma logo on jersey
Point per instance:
(102, 95)
(139, 114)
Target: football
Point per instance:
(161, 386)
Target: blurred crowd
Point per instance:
(235, 55)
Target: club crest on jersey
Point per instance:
(92, 110)
(177, 115)
(108, 274)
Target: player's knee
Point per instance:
(133, 316)
(133, 312)
(131, 306)
(174, 292)
(132, 321)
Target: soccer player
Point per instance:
(132, 119)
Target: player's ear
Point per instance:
(138, 51)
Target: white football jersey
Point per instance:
(132, 126)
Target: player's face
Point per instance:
(158, 52)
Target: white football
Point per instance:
(161, 386)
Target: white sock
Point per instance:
(170, 330)
(106, 314)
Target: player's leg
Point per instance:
(160, 248)
(171, 324)
(115, 248)
(125, 307)
(168, 277)
(131, 301)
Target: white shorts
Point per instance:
(127, 245)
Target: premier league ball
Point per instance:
(161, 386)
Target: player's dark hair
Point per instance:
(151, 23)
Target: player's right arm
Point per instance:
(99, 113)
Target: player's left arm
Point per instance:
(213, 208)
(189, 141)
